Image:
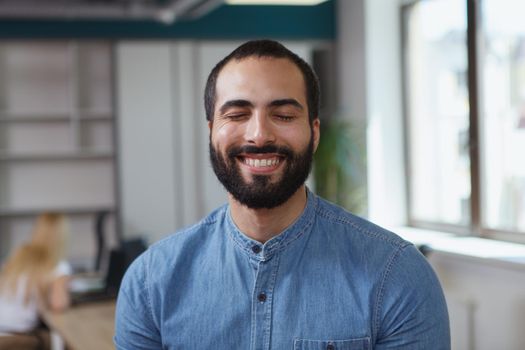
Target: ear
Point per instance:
(210, 125)
(316, 129)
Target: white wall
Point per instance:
(486, 302)
(146, 138)
(370, 88)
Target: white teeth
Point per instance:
(259, 163)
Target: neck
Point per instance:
(263, 224)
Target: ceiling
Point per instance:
(167, 11)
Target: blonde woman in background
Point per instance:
(35, 275)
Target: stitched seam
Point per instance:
(380, 293)
(342, 220)
(281, 246)
(239, 240)
(308, 224)
(297, 236)
(253, 309)
(148, 291)
(186, 231)
(305, 228)
(239, 244)
(269, 306)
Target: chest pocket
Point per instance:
(350, 344)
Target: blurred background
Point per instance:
(422, 119)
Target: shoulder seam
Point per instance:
(342, 220)
(147, 288)
(381, 290)
(187, 230)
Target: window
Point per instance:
(503, 114)
(439, 113)
(465, 109)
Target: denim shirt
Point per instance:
(331, 280)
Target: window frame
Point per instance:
(474, 35)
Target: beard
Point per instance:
(261, 192)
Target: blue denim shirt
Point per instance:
(329, 281)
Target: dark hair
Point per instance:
(271, 49)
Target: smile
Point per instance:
(261, 163)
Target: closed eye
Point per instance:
(285, 118)
(236, 116)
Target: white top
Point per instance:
(15, 315)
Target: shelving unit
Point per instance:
(57, 149)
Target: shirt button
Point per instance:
(256, 249)
(330, 347)
(261, 297)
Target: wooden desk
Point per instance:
(85, 327)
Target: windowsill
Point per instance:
(487, 251)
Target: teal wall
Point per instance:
(225, 22)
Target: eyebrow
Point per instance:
(235, 103)
(285, 102)
(275, 103)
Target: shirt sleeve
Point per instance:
(412, 312)
(134, 322)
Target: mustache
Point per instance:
(234, 151)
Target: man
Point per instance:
(278, 267)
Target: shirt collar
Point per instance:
(263, 252)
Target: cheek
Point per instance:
(298, 138)
(224, 133)
(222, 138)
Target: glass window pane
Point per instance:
(503, 114)
(438, 111)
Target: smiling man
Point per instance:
(277, 267)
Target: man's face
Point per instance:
(261, 141)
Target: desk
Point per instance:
(84, 327)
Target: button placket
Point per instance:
(262, 304)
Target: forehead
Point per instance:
(260, 78)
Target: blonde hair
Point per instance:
(36, 260)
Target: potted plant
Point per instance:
(340, 164)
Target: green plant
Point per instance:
(340, 164)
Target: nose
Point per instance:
(259, 130)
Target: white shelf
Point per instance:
(477, 249)
(24, 212)
(56, 118)
(95, 117)
(77, 156)
(56, 137)
(6, 118)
